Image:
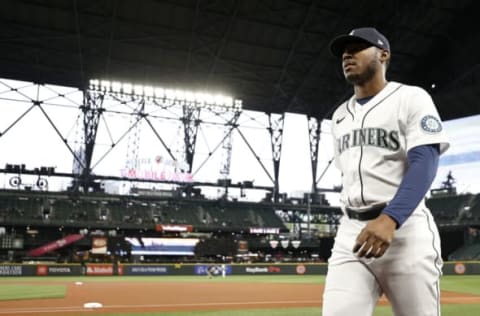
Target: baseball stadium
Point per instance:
(164, 157)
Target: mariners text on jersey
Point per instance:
(370, 136)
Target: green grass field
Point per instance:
(25, 288)
(24, 292)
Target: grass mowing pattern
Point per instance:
(23, 292)
(461, 283)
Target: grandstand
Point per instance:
(466, 252)
(130, 212)
(56, 214)
(452, 209)
(34, 218)
(475, 208)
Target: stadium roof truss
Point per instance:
(96, 109)
(273, 55)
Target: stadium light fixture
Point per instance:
(138, 89)
(127, 88)
(105, 85)
(201, 99)
(160, 93)
(170, 94)
(148, 90)
(94, 84)
(116, 87)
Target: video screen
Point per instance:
(162, 246)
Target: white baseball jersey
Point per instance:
(371, 143)
(372, 140)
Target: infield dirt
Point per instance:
(118, 297)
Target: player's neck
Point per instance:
(370, 88)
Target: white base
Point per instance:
(92, 305)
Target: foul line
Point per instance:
(80, 309)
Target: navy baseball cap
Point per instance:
(363, 34)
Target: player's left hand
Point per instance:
(376, 237)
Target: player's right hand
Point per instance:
(375, 237)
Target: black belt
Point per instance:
(365, 215)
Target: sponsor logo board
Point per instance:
(99, 269)
(215, 269)
(11, 270)
(301, 269)
(459, 268)
(255, 270)
(145, 270)
(42, 270)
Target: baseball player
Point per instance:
(387, 140)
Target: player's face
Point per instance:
(360, 62)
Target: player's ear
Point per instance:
(384, 55)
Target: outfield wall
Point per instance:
(450, 268)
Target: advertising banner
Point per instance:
(264, 230)
(461, 268)
(67, 240)
(215, 269)
(263, 269)
(242, 247)
(11, 270)
(59, 269)
(162, 246)
(99, 245)
(173, 228)
(99, 269)
(284, 269)
(145, 269)
(156, 167)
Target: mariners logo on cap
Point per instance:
(431, 124)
